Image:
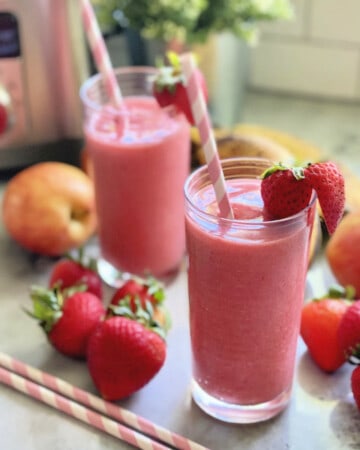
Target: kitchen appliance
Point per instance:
(43, 61)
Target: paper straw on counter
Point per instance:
(86, 398)
(73, 409)
(100, 53)
(202, 121)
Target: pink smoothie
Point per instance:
(140, 167)
(246, 288)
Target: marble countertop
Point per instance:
(321, 414)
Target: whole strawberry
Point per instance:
(74, 270)
(286, 191)
(3, 118)
(125, 352)
(355, 385)
(67, 318)
(146, 293)
(144, 290)
(349, 332)
(169, 87)
(320, 320)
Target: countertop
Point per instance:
(321, 414)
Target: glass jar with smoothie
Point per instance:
(246, 290)
(141, 158)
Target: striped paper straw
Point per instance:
(202, 121)
(86, 398)
(79, 412)
(100, 53)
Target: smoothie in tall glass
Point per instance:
(246, 289)
(141, 158)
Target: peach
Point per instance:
(49, 208)
(343, 250)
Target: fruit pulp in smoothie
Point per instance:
(140, 165)
(246, 288)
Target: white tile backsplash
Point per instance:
(336, 20)
(294, 27)
(316, 54)
(312, 70)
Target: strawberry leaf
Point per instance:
(155, 289)
(47, 306)
(338, 291)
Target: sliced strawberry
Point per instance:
(169, 87)
(328, 182)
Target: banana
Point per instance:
(301, 150)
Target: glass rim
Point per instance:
(93, 79)
(240, 222)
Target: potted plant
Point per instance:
(227, 26)
(192, 21)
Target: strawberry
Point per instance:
(169, 87)
(146, 294)
(349, 332)
(74, 270)
(355, 385)
(67, 317)
(3, 118)
(125, 352)
(149, 290)
(328, 182)
(286, 191)
(320, 320)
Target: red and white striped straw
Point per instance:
(86, 398)
(100, 53)
(79, 412)
(203, 123)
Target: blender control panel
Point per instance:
(12, 101)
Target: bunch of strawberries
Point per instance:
(123, 343)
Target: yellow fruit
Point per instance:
(301, 150)
(234, 145)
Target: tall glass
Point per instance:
(246, 288)
(141, 158)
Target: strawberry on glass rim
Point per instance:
(169, 86)
(287, 190)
